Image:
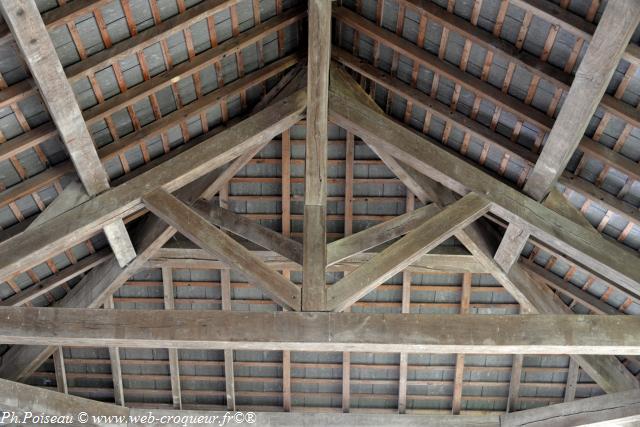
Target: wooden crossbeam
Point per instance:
(34, 246)
(592, 78)
(618, 23)
(443, 259)
(315, 178)
(371, 237)
(322, 331)
(477, 86)
(396, 257)
(29, 31)
(204, 234)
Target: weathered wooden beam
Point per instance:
(57, 279)
(396, 257)
(441, 259)
(195, 227)
(29, 31)
(483, 89)
(61, 374)
(315, 178)
(174, 364)
(514, 382)
(346, 247)
(610, 409)
(229, 374)
(617, 25)
(250, 230)
(101, 282)
(34, 246)
(322, 331)
(40, 55)
(19, 361)
(572, 381)
(116, 365)
(417, 151)
(458, 380)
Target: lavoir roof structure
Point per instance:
(351, 212)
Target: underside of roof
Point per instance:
(485, 79)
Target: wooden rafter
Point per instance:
(610, 40)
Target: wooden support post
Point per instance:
(116, 366)
(174, 364)
(315, 192)
(406, 308)
(572, 381)
(286, 380)
(346, 381)
(465, 299)
(514, 382)
(61, 374)
(230, 389)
